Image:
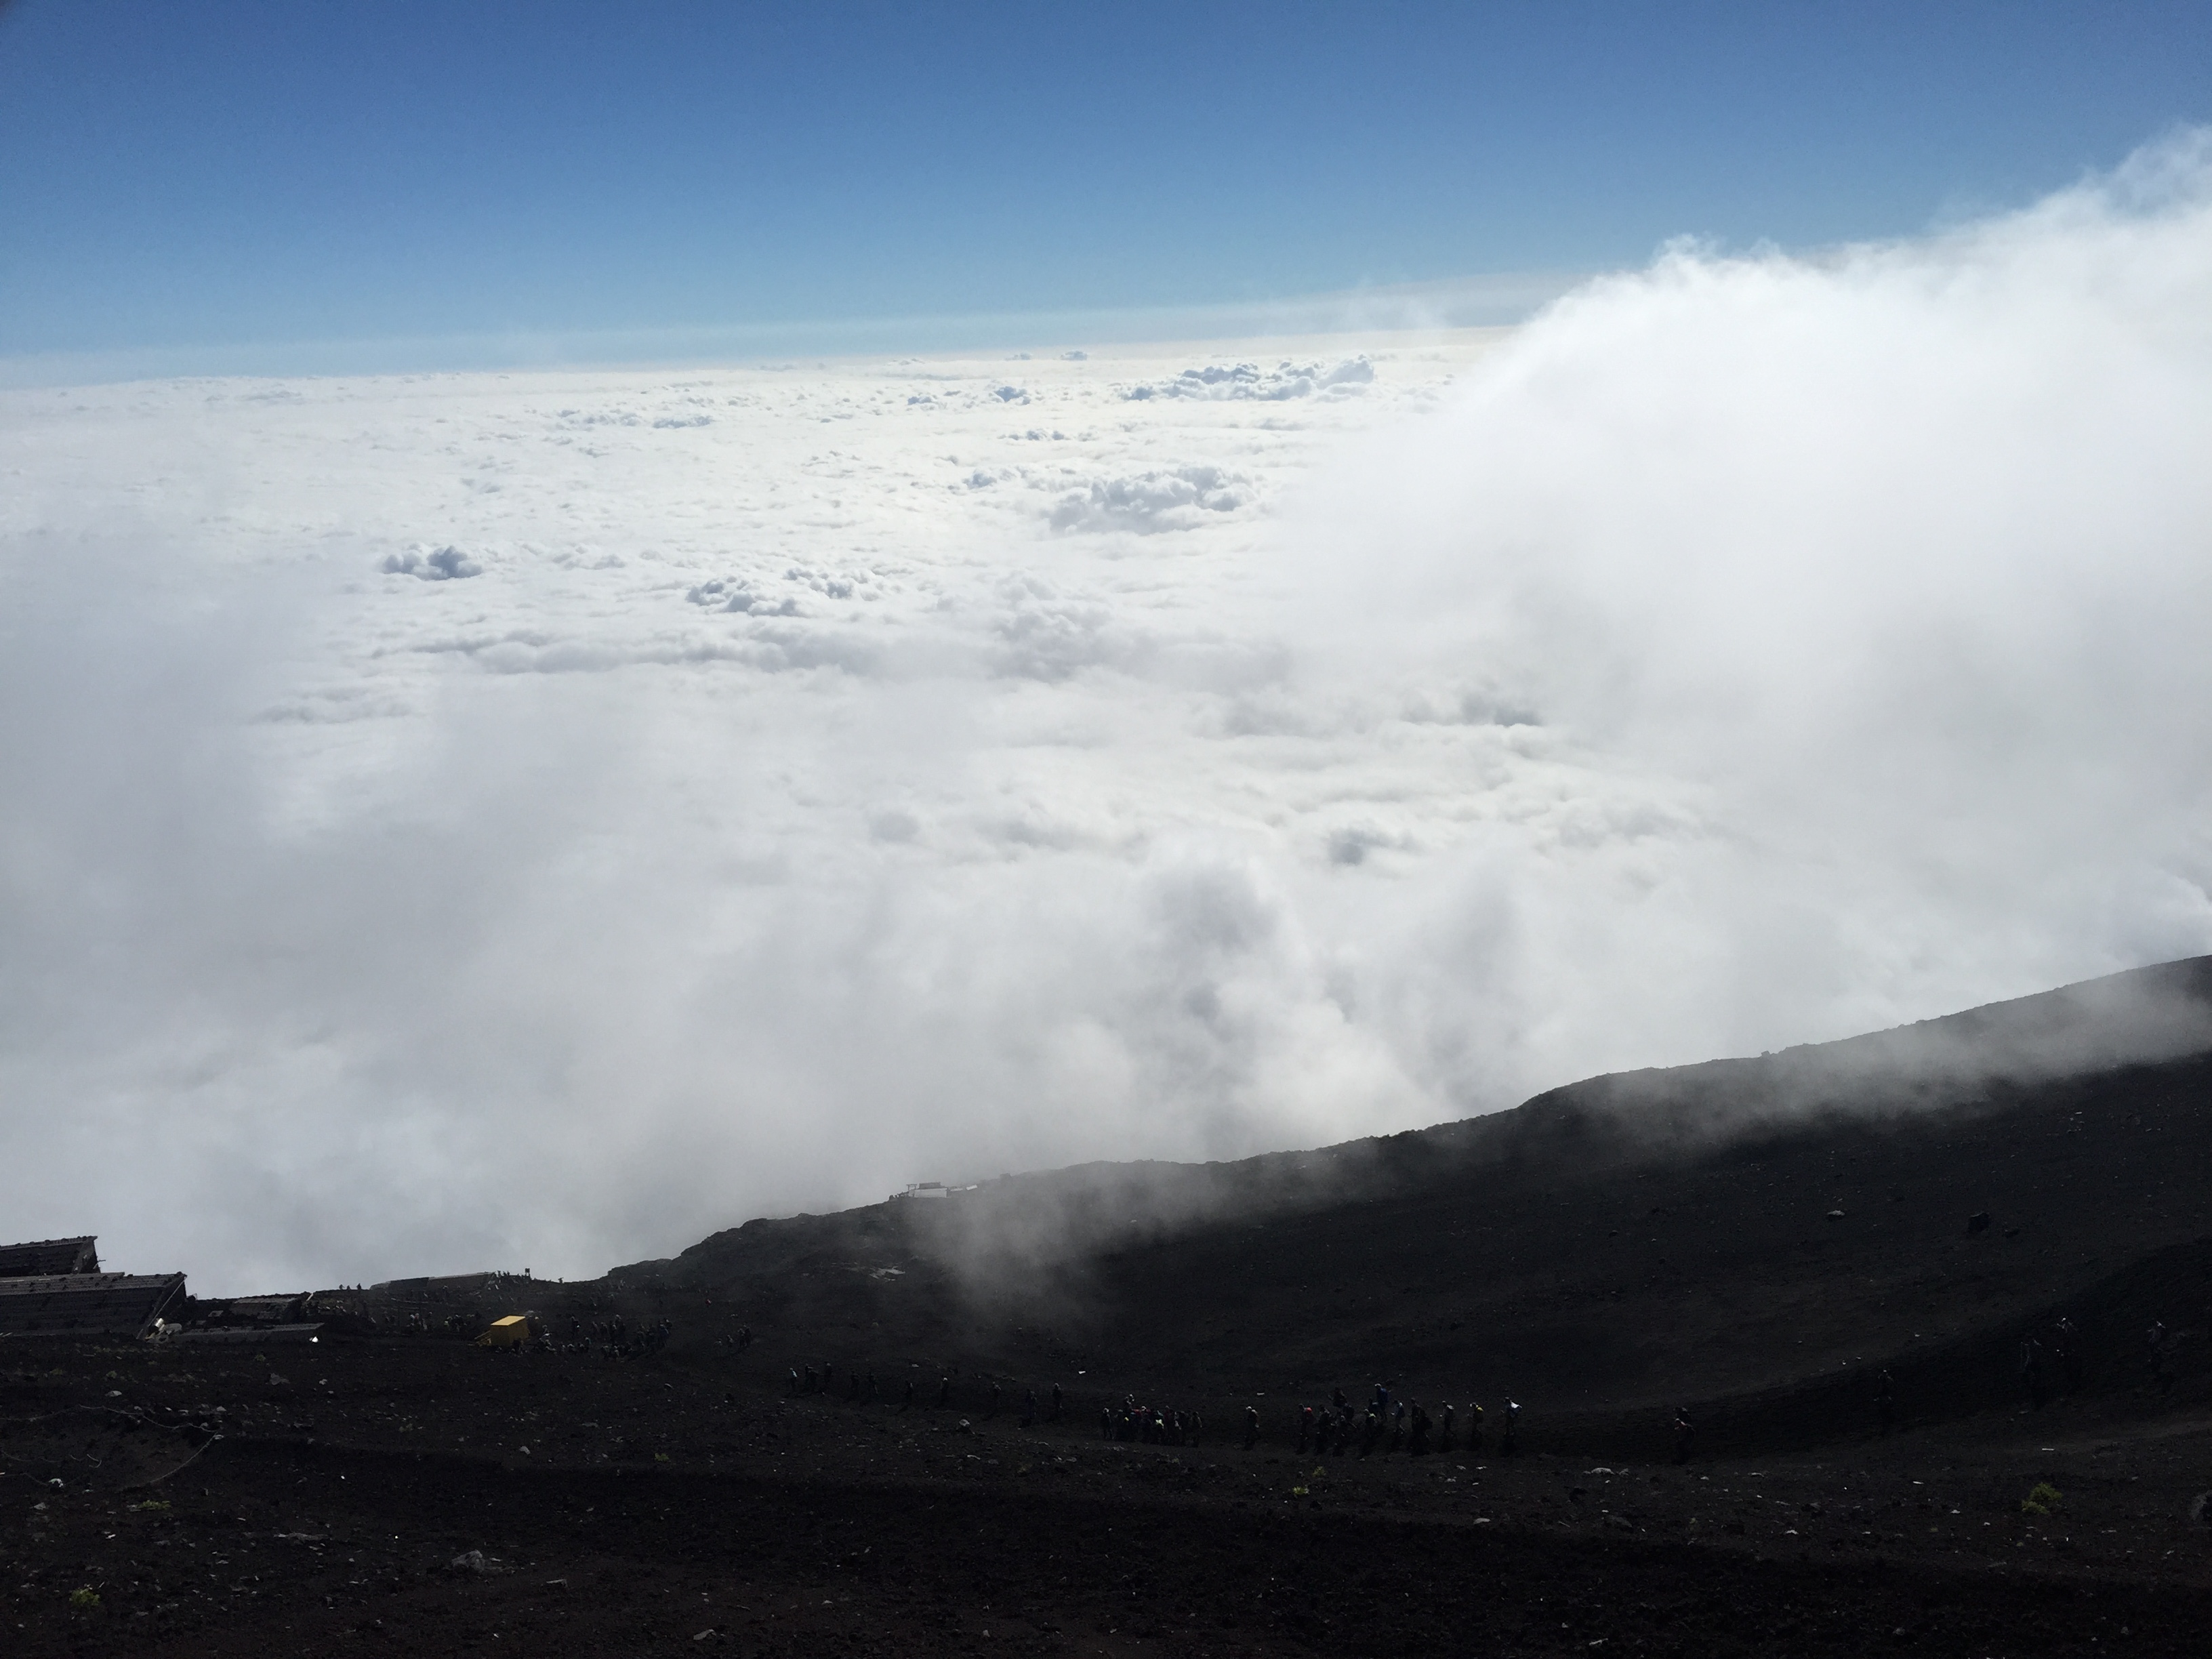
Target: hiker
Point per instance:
(1418, 1445)
(1251, 1426)
(1028, 1408)
(944, 1391)
(1686, 1434)
(1508, 1443)
(1056, 1403)
(1445, 1429)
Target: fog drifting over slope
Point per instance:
(1874, 587)
(539, 819)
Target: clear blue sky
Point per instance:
(226, 174)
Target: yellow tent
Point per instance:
(511, 1331)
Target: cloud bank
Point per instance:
(1880, 576)
(828, 776)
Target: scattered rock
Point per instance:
(98, 1447)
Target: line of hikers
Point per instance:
(859, 1389)
(1152, 1425)
(614, 1338)
(1391, 1423)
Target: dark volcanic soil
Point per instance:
(381, 1492)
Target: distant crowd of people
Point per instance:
(2052, 1361)
(613, 1338)
(1151, 1426)
(1391, 1423)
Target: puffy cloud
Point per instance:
(1748, 651)
(1882, 571)
(434, 565)
(1166, 499)
(1249, 383)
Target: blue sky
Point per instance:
(224, 177)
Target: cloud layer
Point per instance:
(536, 820)
(1877, 581)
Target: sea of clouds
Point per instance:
(535, 819)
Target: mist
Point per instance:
(537, 820)
(1861, 594)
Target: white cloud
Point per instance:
(1249, 383)
(434, 565)
(1748, 651)
(1177, 498)
(1884, 572)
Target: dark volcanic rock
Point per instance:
(1747, 1247)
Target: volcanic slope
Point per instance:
(1756, 1236)
(1749, 1239)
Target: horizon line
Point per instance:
(1493, 300)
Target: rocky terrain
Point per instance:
(1749, 1245)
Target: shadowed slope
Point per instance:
(1702, 1233)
